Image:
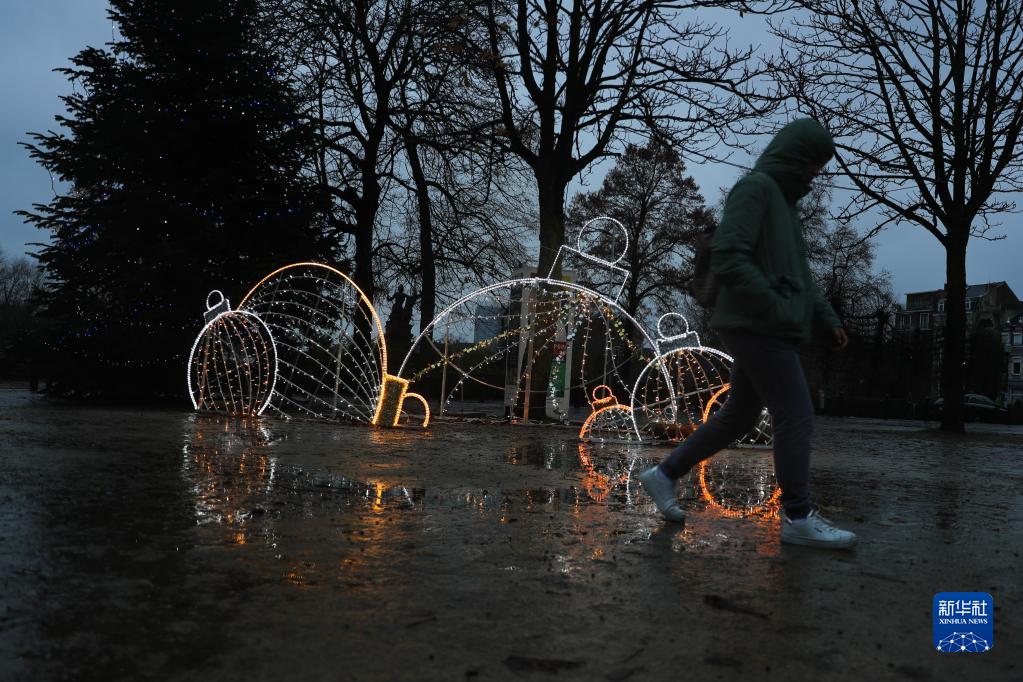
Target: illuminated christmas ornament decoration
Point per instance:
(232, 366)
(537, 317)
(307, 342)
(325, 354)
(607, 471)
(609, 422)
(587, 339)
(698, 383)
(330, 342)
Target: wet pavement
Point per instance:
(161, 544)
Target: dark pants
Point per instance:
(766, 372)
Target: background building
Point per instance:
(919, 333)
(1012, 342)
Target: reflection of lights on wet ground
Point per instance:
(246, 498)
(740, 484)
(543, 455)
(734, 483)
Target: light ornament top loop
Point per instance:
(607, 397)
(582, 231)
(213, 309)
(683, 340)
(597, 260)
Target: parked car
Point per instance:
(976, 407)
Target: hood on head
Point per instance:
(801, 142)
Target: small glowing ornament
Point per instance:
(609, 422)
(392, 400)
(232, 366)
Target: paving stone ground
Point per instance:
(161, 544)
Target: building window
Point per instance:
(1017, 338)
(925, 321)
(969, 304)
(941, 306)
(903, 321)
(1017, 366)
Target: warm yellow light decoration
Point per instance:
(330, 345)
(602, 404)
(607, 396)
(768, 509)
(426, 407)
(596, 484)
(393, 393)
(713, 400)
(333, 348)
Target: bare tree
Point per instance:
(575, 79)
(20, 284)
(20, 279)
(405, 142)
(457, 227)
(924, 99)
(457, 177)
(842, 262)
(352, 58)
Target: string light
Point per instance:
(571, 306)
(392, 398)
(767, 509)
(236, 345)
(328, 349)
(330, 340)
(607, 417)
(330, 354)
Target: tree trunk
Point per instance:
(364, 260)
(552, 220)
(955, 331)
(428, 264)
(365, 216)
(552, 235)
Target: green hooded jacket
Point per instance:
(758, 253)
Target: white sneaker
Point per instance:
(815, 531)
(663, 493)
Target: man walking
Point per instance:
(767, 305)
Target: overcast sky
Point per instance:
(37, 36)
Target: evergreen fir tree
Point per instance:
(183, 155)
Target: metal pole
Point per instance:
(444, 372)
(529, 359)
